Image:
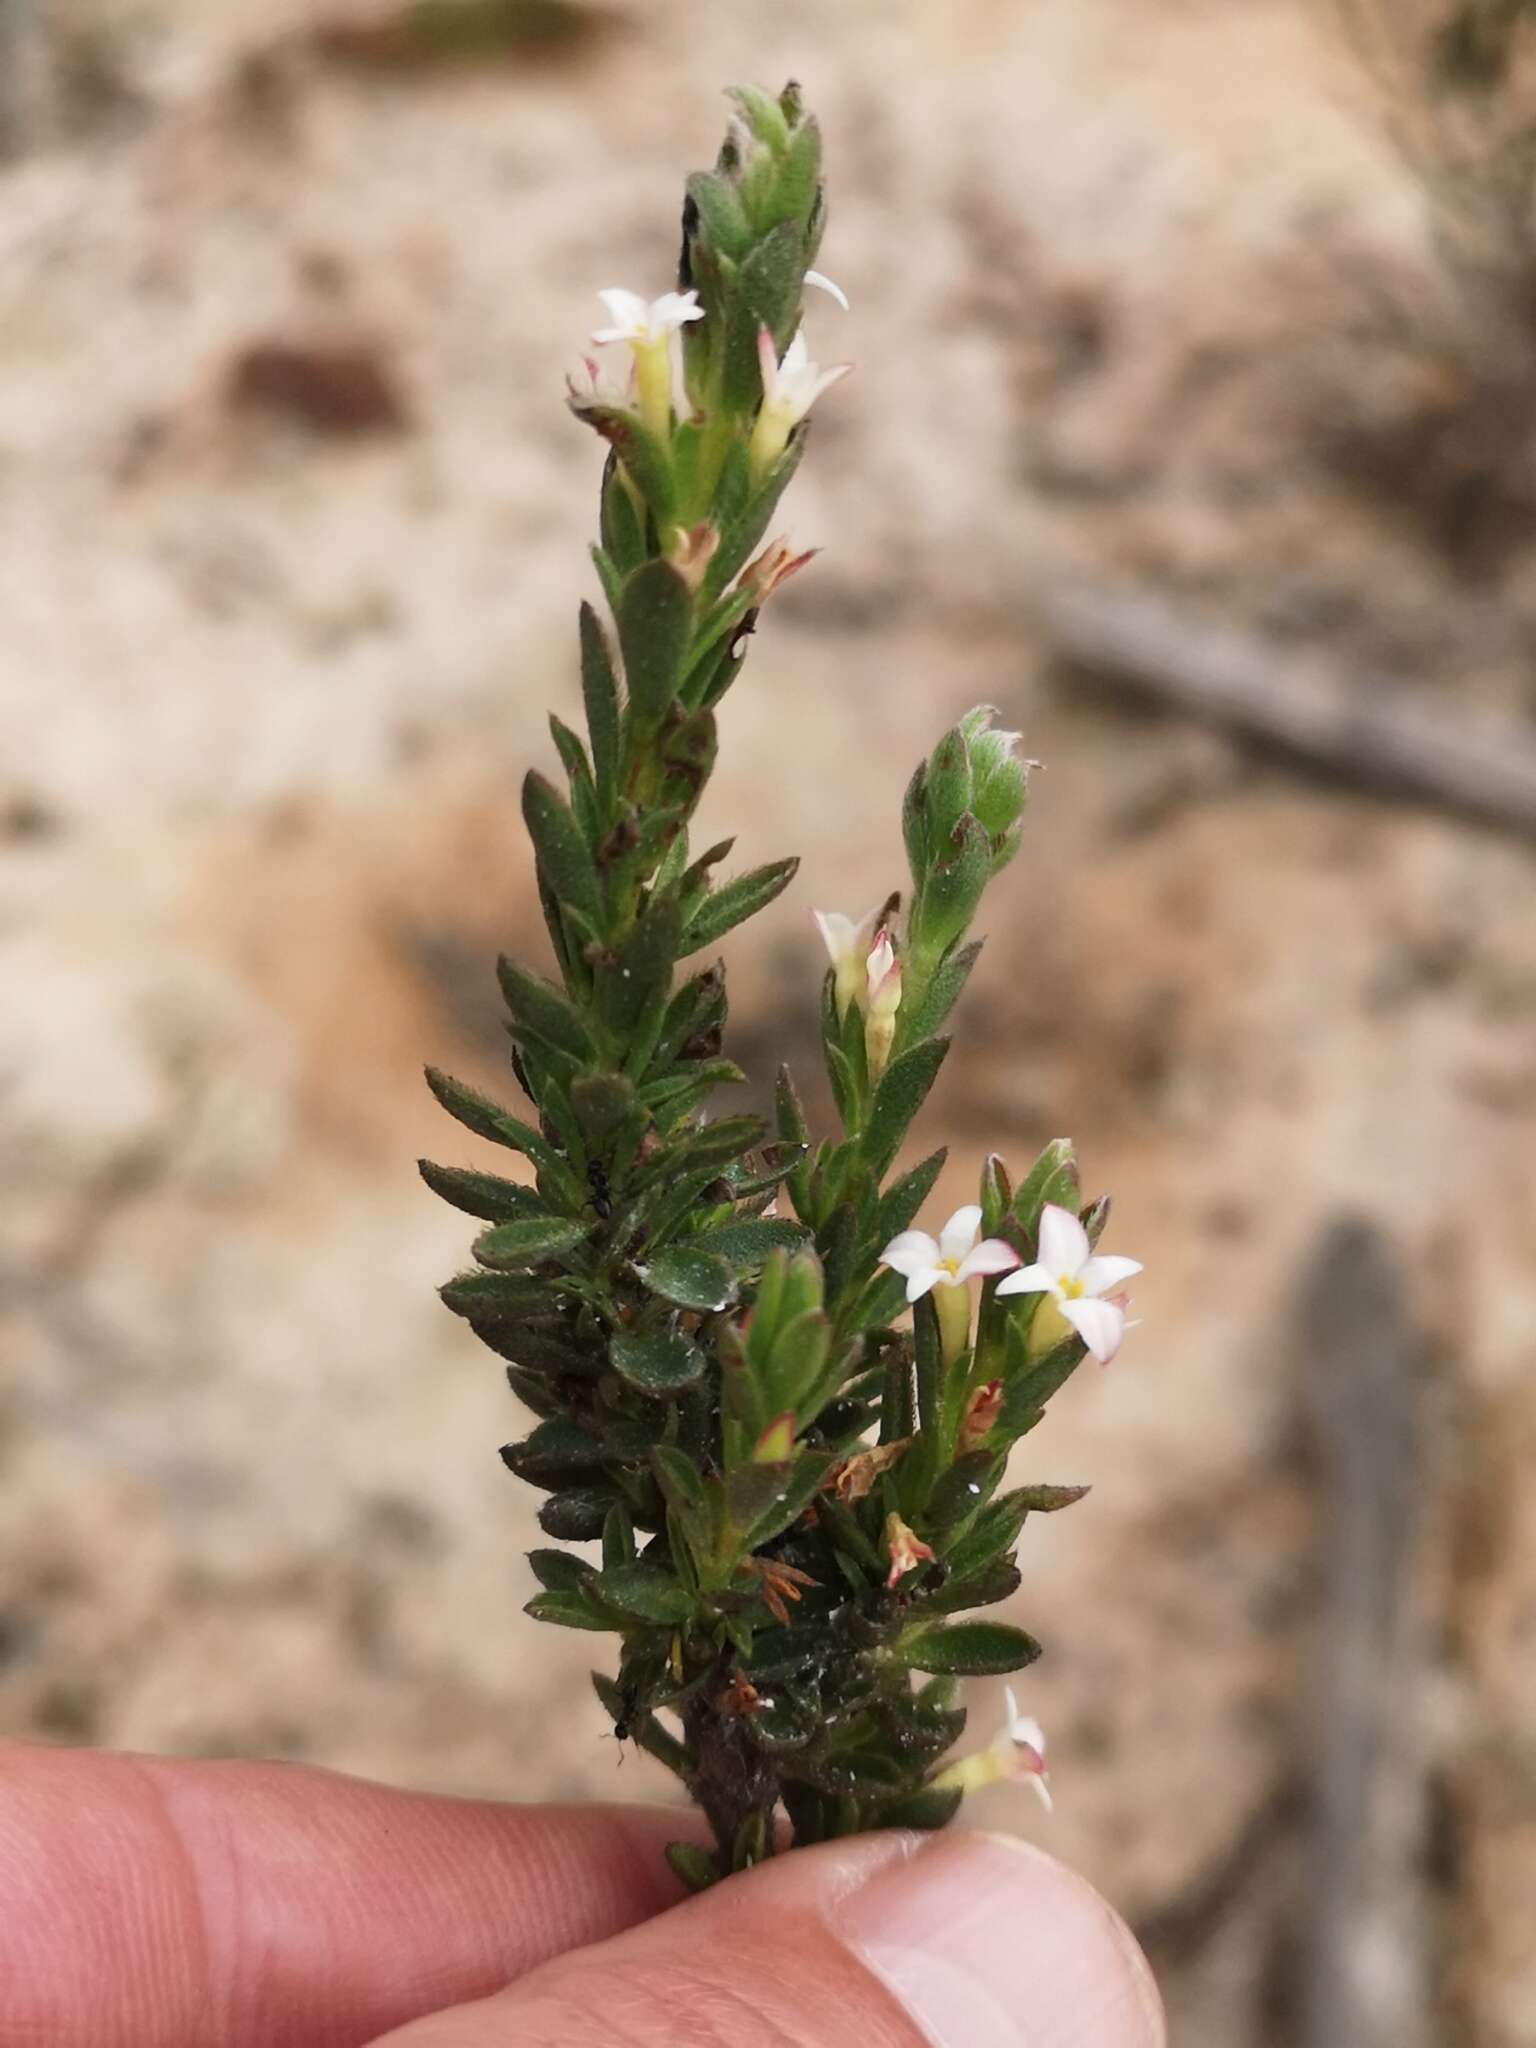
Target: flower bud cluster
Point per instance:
(706, 403)
(962, 821)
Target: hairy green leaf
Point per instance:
(698, 1280)
(738, 900)
(480, 1194)
(901, 1094)
(563, 855)
(537, 1006)
(748, 1244)
(655, 622)
(525, 1241)
(664, 1363)
(600, 694)
(577, 1513)
(569, 1609)
(969, 1649)
(902, 1201)
(643, 1591)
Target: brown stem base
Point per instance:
(731, 1780)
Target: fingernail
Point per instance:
(988, 1943)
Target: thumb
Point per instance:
(958, 1940)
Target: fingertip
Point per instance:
(959, 1941)
(986, 1940)
(296, 1904)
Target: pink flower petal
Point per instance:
(914, 1251)
(1100, 1325)
(959, 1233)
(1099, 1275)
(1063, 1241)
(990, 1256)
(1028, 1280)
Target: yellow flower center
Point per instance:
(1071, 1287)
(951, 1267)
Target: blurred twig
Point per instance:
(423, 34)
(1366, 1973)
(1234, 680)
(18, 19)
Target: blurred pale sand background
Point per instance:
(266, 690)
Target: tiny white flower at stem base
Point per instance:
(790, 389)
(1025, 1738)
(949, 1263)
(1015, 1755)
(650, 327)
(1076, 1280)
(847, 942)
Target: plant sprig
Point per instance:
(792, 1498)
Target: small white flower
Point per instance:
(1077, 1281)
(1023, 1740)
(823, 283)
(951, 1259)
(1016, 1751)
(643, 323)
(651, 328)
(792, 387)
(847, 942)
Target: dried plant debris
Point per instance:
(341, 385)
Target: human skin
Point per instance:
(154, 1904)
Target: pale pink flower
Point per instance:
(847, 942)
(790, 389)
(1022, 1741)
(952, 1259)
(1077, 1281)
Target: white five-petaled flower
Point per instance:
(643, 322)
(651, 328)
(950, 1260)
(847, 940)
(1023, 1741)
(1076, 1281)
(790, 389)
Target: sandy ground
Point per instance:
(266, 687)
